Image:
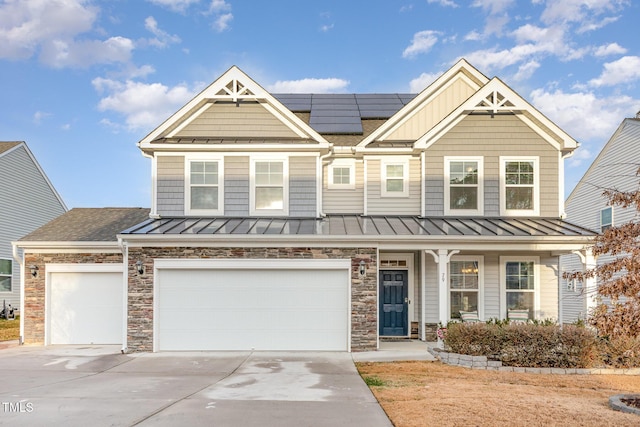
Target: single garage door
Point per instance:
(252, 308)
(85, 308)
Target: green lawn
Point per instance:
(9, 329)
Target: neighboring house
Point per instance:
(615, 168)
(324, 222)
(28, 201)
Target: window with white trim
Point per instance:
(204, 192)
(520, 187)
(465, 285)
(269, 179)
(342, 174)
(520, 284)
(606, 218)
(6, 275)
(463, 193)
(395, 178)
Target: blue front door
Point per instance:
(394, 303)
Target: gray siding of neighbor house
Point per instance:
(28, 203)
(481, 135)
(613, 168)
(236, 185)
(378, 205)
(170, 185)
(302, 187)
(344, 200)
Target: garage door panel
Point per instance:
(85, 308)
(248, 309)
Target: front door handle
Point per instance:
(406, 300)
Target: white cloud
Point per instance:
(624, 70)
(526, 70)
(144, 105)
(422, 42)
(584, 115)
(446, 3)
(327, 27)
(580, 156)
(175, 5)
(26, 24)
(38, 116)
(162, 38)
(578, 10)
(221, 23)
(81, 54)
(422, 81)
(493, 6)
(309, 85)
(610, 49)
(218, 6)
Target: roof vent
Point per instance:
(638, 115)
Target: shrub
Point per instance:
(620, 352)
(525, 344)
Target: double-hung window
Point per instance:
(6, 274)
(342, 174)
(395, 178)
(465, 285)
(269, 186)
(520, 283)
(606, 218)
(463, 193)
(204, 193)
(520, 186)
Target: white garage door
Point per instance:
(85, 308)
(249, 308)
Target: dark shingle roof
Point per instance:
(88, 225)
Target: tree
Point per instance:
(619, 279)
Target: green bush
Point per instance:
(542, 345)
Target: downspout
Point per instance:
(125, 295)
(320, 183)
(20, 262)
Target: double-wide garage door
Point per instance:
(246, 305)
(85, 307)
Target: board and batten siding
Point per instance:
(378, 205)
(612, 168)
(302, 186)
(491, 138)
(244, 120)
(29, 202)
(170, 184)
(343, 201)
(433, 112)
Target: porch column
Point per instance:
(442, 258)
(589, 285)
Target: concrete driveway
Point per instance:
(98, 386)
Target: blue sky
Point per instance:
(82, 81)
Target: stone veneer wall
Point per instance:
(363, 290)
(34, 287)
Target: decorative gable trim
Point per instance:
(233, 86)
(461, 70)
(496, 97)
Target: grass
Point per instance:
(9, 329)
(433, 394)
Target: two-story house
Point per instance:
(328, 221)
(29, 200)
(615, 168)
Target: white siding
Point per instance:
(378, 205)
(28, 203)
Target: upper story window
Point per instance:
(342, 174)
(395, 178)
(520, 186)
(6, 274)
(606, 218)
(269, 192)
(463, 192)
(520, 282)
(204, 186)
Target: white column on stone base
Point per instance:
(590, 285)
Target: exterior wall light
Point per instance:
(140, 267)
(34, 270)
(363, 268)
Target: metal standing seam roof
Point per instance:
(357, 225)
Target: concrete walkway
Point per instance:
(391, 351)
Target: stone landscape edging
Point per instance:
(482, 362)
